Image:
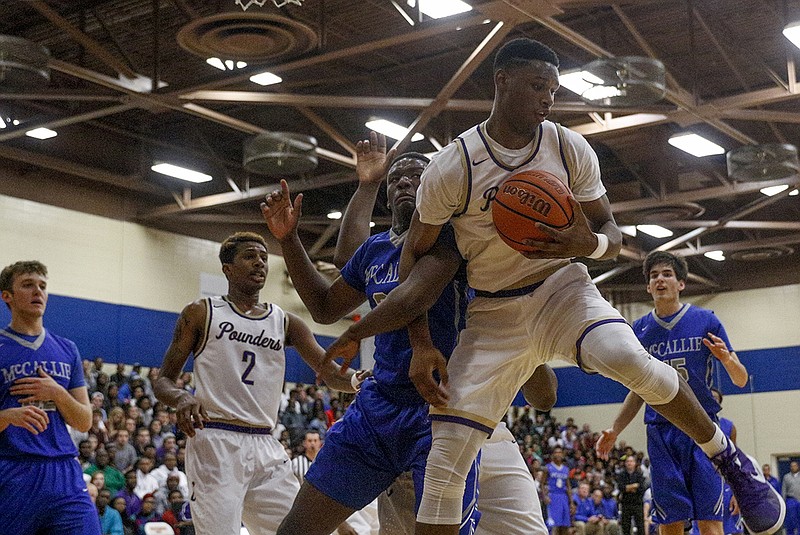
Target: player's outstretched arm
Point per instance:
(628, 411)
(327, 302)
(372, 164)
(736, 370)
(300, 336)
(186, 339)
(593, 233)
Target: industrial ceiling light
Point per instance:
(773, 190)
(393, 130)
(182, 173)
(41, 133)
(266, 78)
(695, 145)
(719, 256)
(792, 33)
(655, 231)
(437, 9)
(335, 214)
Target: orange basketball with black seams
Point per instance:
(525, 199)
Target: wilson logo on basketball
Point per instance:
(528, 199)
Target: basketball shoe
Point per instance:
(762, 509)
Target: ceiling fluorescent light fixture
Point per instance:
(655, 231)
(773, 190)
(2, 123)
(794, 193)
(181, 173)
(227, 65)
(792, 33)
(629, 230)
(719, 256)
(695, 145)
(41, 133)
(336, 214)
(266, 78)
(393, 130)
(437, 9)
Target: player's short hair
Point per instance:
(678, 264)
(20, 268)
(229, 247)
(521, 51)
(413, 155)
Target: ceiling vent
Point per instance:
(280, 154)
(253, 37)
(757, 254)
(624, 81)
(23, 63)
(756, 163)
(661, 214)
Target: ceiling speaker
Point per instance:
(23, 63)
(280, 154)
(755, 163)
(624, 81)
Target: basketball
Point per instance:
(525, 199)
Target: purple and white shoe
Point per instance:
(762, 509)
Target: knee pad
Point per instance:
(614, 351)
(454, 448)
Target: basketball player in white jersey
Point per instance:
(237, 471)
(508, 500)
(535, 307)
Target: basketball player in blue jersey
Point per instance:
(535, 307)
(237, 471)
(385, 431)
(690, 339)
(42, 390)
(506, 485)
(560, 493)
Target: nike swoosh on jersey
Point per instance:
(479, 161)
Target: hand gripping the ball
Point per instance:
(573, 241)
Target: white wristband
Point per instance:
(602, 247)
(355, 382)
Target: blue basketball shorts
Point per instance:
(377, 440)
(685, 484)
(45, 497)
(559, 510)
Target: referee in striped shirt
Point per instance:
(311, 445)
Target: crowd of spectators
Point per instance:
(134, 453)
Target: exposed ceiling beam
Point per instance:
(232, 197)
(754, 206)
(757, 225)
(727, 247)
(66, 121)
(329, 232)
(81, 38)
(62, 95)
(426, 31)
(737, 188)
(326, 127)
(473, 61)
(131, 182)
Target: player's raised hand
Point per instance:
(424, 362)
(29, 417)
(606, 442)
(191, 414)
(42, 388)
(573, 241)
(346, 348)
(372, 160)
(717, 346)
(280, 214)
